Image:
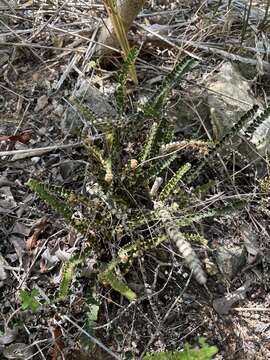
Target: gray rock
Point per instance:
(189, 110)
(229, 97)
(92, 99)
(230, 260)
(41, 103)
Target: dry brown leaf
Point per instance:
(36, 230)
(58, 347)
(23, 137)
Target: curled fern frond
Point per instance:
(183, 246)
(170, 186)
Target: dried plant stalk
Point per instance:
(119, 27)
(127, 10)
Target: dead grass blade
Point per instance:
(120, 33)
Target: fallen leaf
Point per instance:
(223, 305)
(48, 261)
(6, 198)
(8, 337)
(23, 137)
(57, 350)
(36, 230)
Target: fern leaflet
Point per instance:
(170, 186)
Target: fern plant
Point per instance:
(119, 202)
(67, 277)
(29, 300)
(204, 352)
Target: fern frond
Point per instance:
(107, 277)
(124, 259)
(149, 111)
(156, 102)
(122, 80)
(94, 153)
(68, 275)
(169, 135)
(199, 146)
(219, 145)
(93, 304)
(170, 186)
(108, 171)
(157, 166)
(163, 131)
(256, 122)
(84, 111)
(265, 184)
(149, 144)
(204, 188)
(65, 209)
(216, 122)
(186, 219)
(205, 352)
(143, 220)
(128, 253)
(115, 150)
(197, 238)
(226, 210)
(46, 195)
(158, 135)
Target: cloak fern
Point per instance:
(168, 189)
(122, 80)
(204, 352)
(68, 275)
